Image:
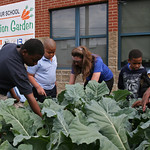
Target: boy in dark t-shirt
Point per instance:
(12, 60)
(131, 74)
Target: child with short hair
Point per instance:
(43, 75)
(130, 75)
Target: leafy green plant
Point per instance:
(79, 119)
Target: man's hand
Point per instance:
(145, 99)
(137, 103)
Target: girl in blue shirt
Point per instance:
(91, 67)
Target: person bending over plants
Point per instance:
(91, 67)
(12, 60)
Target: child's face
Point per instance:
(135, 63)
(49, 53)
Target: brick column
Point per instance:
(113, 39)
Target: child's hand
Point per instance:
(41, 91)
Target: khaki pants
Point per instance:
(3, 97)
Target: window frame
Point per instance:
(77, 36)
(121, 35)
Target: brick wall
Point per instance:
(42, 12)
(113, 39)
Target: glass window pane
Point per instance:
(93, 19)
(63, 23)
(63, 53)
(140, 42)
(135, 16)
(96, 46)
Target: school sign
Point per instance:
(17, 22)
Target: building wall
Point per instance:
(42, 30)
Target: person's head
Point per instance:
(32, 51)
(82, 61)
(135, 59)
(49, 48)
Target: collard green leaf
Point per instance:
(51, 108)
(111, 127)
(121, 94)
(74, 92)
(60, 124)
(6, 146)
(25, 147)
(145, 125)
(19, 119)
(143, 146)
(95, 90)
(81, 133)
(37, 142)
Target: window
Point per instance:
(134, 30)
(85, 25)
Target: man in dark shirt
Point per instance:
(13, 72)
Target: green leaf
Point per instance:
(31, 8)
(38, 142)
(74, 92)
(51, 108)
(60, 124)
(20, 120)
(120, 94)
(143, 146)
(111, 127)
(25, 147)
(81, 133)
(6, 146)
(95, 90)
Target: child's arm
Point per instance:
(39, 89)
(13, 94)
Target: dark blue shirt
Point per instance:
(12, 71)
(130, 79)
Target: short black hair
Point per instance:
(33, 46)
(135, 53)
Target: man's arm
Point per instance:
(145, 99)
(13, 94)
(33, 104)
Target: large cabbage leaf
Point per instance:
(110, 126)
(81, 132)
(62, 121)
(20, 119)
(95, 90)
(74, 94)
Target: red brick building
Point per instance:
(110, 28)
